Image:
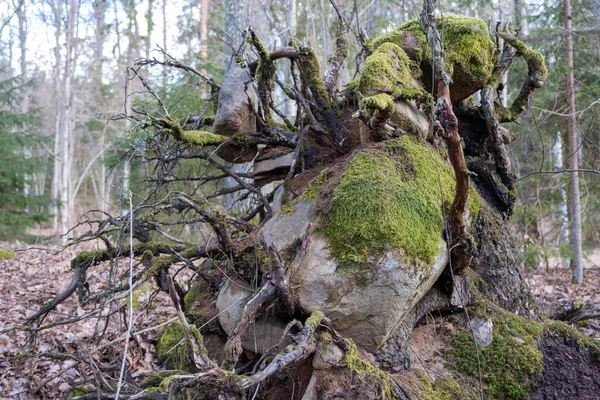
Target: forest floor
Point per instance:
(35, 276)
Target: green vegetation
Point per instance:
(20, 207)
(367, 372)
(444, 389)
(508, 362)
(389, 70)
(513, 358)
(6, 254)
(391, 197)
(310, 193)
(172, 347)
(468, 47)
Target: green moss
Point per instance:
(466, 41)
(474, 203)
(390, 197)
(389, 70)
(202, 138)
(6, 254)
(199, 138)
(509, 362)
(314, 320)
(311, 192)
(444, 389)
(379, 102)
(172, 348)
(198, 294)
(559, 328)
(77, 391)
(367, 372)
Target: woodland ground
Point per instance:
(37, 274)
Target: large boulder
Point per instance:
(236, 113)
(261, 335)
(373, 237)
(469, 51)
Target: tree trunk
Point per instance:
(563, 217)
(577, 263)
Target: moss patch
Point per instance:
(202, 138)
(389, 70)
(367, 372)
(444, 389)
(466, 41)
(6, 254)
(390, 196)
(559, 328)
(198, 138)
(311, 192)
(172, 347)
(380, 102)
(509, 362)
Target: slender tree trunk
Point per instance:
(150, 24)
(596, 12)
(22, 18)
(56, 188)
(100, 16)
(573, 150)
(67, 128)
(563, 218)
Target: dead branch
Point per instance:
(536, 76)
(573, 312)
(274, 283)
(198, 352)
(446, 125)
(341, 51)
(499, 150)
(305, 347)
(264, 74)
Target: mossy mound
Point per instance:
(389, 70)
(390, 196)
(172, 347)
(469, 51)
(511, 366)
(508, 364)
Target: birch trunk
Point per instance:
(563, 218)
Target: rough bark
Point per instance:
(577, 261)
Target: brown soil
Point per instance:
(569, 372)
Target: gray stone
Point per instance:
(311, 389)
(460, 292)
(264, 166)
(283, 229)
(260, 336)
(236, 113)
(482, 331)
(368, 313)
(327, 356)
(278, 199)
(409, 119)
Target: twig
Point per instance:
(130, 280)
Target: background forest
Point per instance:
(89, 92)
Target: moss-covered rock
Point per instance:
(376, 246)
(172, 347)
(389, 70)
(391, 196)
(469, 51)
(508, 364)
